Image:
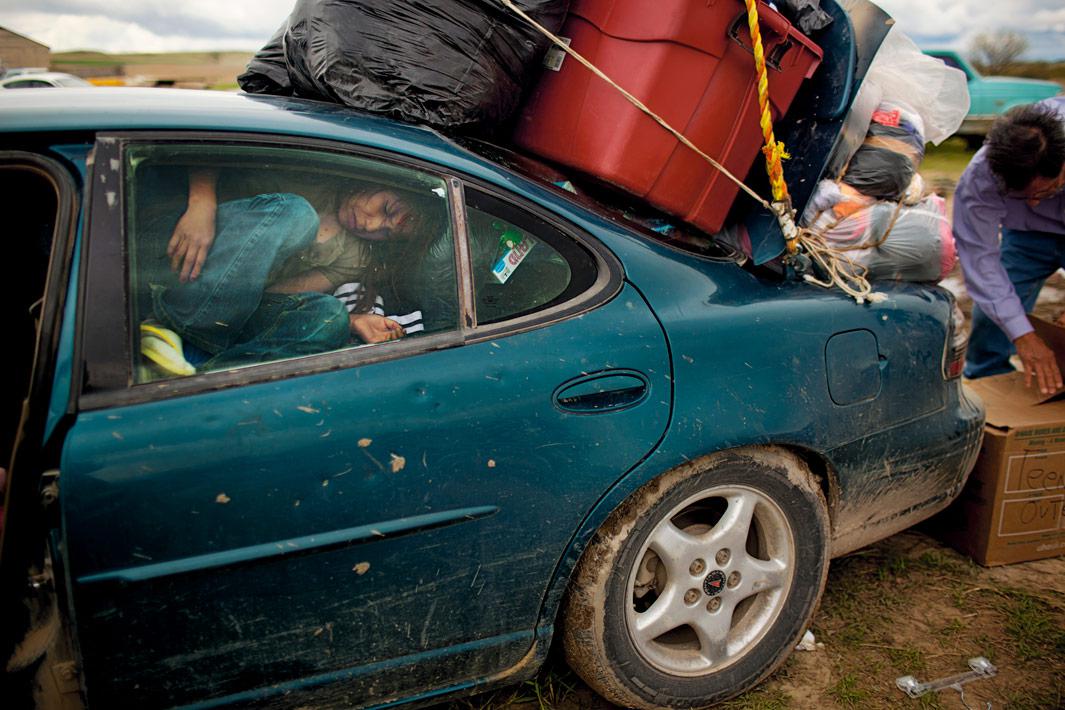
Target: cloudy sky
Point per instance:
(176, 25)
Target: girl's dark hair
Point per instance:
(1026, 143)
(395, 258)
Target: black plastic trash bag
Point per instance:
(880, 172)
(447, 63)
(267, 72)
(900, 139)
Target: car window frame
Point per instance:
(60, 263)
(104, 362)
(607, 283)
(32, 453)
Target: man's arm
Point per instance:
(978, 214)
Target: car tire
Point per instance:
(701, 583)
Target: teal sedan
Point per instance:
(644, 449)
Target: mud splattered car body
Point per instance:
(403, 521)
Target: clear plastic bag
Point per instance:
(919, 85)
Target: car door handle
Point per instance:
(606, 391)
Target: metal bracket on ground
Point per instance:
(980, 668)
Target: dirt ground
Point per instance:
(908, 605)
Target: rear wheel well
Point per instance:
(825, 475)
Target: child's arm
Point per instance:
(372, 328)
(194, 232)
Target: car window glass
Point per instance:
(27, 84)
(521, 263)
(241, 255)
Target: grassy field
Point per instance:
(179, 58)
(1053, 71)
(947, 159)
(210, 70)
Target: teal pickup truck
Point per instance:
(992, 96)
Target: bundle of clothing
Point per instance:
(878, 214)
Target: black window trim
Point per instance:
(102, 386)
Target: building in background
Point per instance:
(19, 51)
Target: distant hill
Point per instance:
(89, 58)
(191, 69)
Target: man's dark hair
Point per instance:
(1026, 143)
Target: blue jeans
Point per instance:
(226, 311)
(1029, 258)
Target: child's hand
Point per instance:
(194, 232)
(373, 328)
(191, 241)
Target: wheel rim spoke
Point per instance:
(675, 548)
(735, 524)
(762, 575)
(712, 631)
(667, 613)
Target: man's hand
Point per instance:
(191, 241)
(1038, 360)
(372, 328)
(1061, 319)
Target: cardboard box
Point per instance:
(1013, 507)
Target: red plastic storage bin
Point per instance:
(689, 61)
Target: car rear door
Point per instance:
(379, 517)
(39, 185)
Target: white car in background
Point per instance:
(48, 79)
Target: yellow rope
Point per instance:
(850, 278)
(773, 150)
(851, 281)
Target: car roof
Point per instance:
(121, 109)
(147, 109)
